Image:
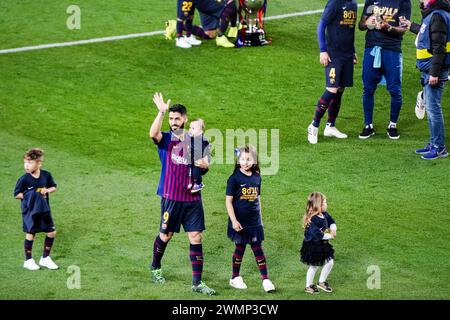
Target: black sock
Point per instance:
(260, 259)
(28, 248)
(159, 247)
(237, 259)
(334, 107)
(48, 243)
(199, 32)
(179, 28)
(227, 15)
(322, 105)
(188, 27)
(196, 257)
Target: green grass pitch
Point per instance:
(89, 107)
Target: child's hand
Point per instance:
(355, 59)
(43, 191)
(202, 163)
(237, 226)
(333, 233)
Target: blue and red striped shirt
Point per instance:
(174, 156)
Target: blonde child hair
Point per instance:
(313, 207)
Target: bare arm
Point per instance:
(391, 29)
(229, 204)
(44, 191)
(155, 130)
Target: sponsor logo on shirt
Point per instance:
(348, 18)
(249, 193)
(388, 13)
(179, 159)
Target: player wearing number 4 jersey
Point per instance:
(336, 36)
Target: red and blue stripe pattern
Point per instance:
(173, 154)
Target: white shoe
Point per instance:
(313, 132)
(333, 132)
(238, 283)
(192, 40)
(48, 263)
(182, 43)
(268, 285)
(30, 264)
(420, 106)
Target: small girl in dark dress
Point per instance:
(316, 250)
(244, 212)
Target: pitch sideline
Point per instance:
(137, 35)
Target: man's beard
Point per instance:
(177, 130)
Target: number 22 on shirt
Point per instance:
(186, 7)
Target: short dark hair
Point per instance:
(34, 154)
(178, 108)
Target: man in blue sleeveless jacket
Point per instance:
(433, 61)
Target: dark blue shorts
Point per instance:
(38, 223)
(185, 8)
(190, 214)
(209, 22)
(210, 12)
(339, 73)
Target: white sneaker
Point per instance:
(182, 43)
(238, 283)
(313, 132)
(192, 40)
(30, 264)
(333, 132)
(420, 106)
(268, 285)
(48, 263)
